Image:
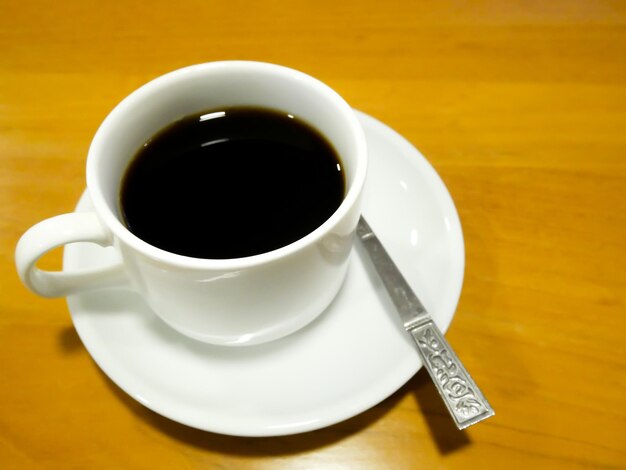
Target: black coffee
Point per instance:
(231, 183)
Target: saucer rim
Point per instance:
(409, 367)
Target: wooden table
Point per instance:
(520, 106)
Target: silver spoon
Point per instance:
(464, 400)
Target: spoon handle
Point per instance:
(464, 400)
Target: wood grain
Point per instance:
(520, 106)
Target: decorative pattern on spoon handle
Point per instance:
(464, 400)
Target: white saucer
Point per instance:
(348, 360)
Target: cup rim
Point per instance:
(119, 230)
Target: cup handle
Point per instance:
(57, 231)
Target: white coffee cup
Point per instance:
(239, 301)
